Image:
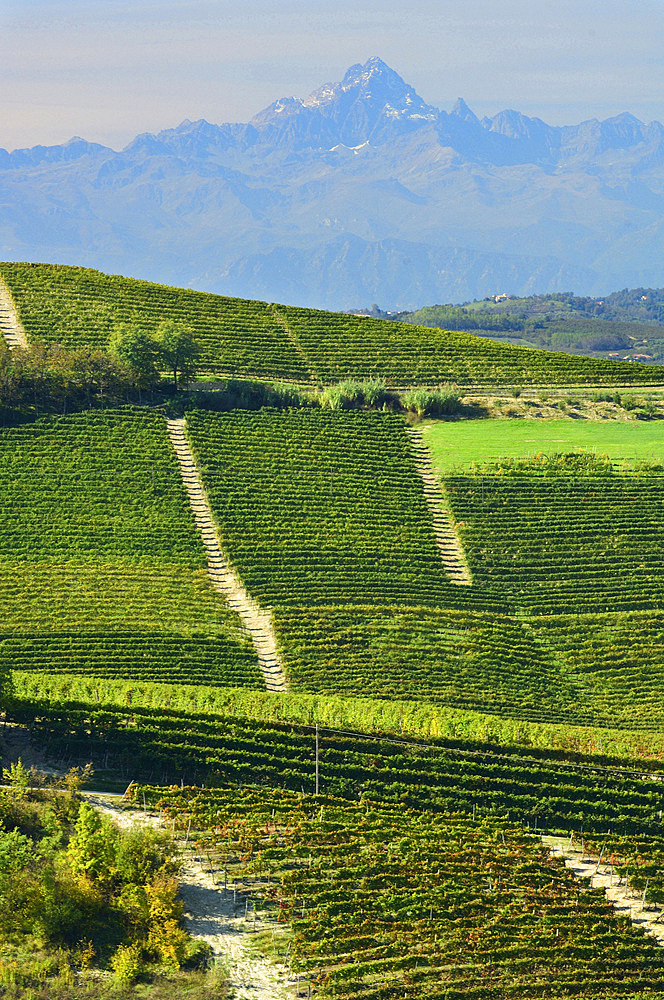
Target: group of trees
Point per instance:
(50, 377)
(171, 349)
(80, 897)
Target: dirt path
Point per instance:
(625, 901)
(454, 558)
(10, 325)
(256, 620)
(223, 918)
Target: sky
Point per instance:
(110, 69)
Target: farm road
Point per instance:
(212, 914)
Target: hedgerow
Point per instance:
(557, 791)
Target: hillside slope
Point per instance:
(78, 307)
(103, 570)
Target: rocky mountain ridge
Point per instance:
(360, 192)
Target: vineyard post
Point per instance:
(317, 760)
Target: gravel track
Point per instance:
(625, 901)
(451, 550)
(256, 620)
(223, 918)
(11, 327)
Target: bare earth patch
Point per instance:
(222, 917)
(625, 901)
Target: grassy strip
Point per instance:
(456, 445)
(409, 718)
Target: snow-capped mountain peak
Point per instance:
(372, 103)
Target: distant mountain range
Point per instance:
(359, 193)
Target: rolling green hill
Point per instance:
(623, 324)
(77, 307)
(446, 723)
(325, 517)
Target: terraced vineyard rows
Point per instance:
(103, 571)
(385, 903)
(78, 307)
(618, 658)
(321, 507)
(540, 789)
(574, 542)
(469, 660)
(339, 346)
(573, 532)
(326, 519)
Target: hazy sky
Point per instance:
(108, 69)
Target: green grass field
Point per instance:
(454, 445)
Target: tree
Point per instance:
(92, 849)
(177, 349)
(138, 350)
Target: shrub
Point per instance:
(646, 411)
(444, 401)
(126, 964)
(353, 394)
(165, 913)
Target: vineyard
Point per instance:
(538, 789)
(384, 902)
(80, 307)
(384, 809)
(338, 346)
(574, 532)
(325, 518)
(573, 541)
(103, 571)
